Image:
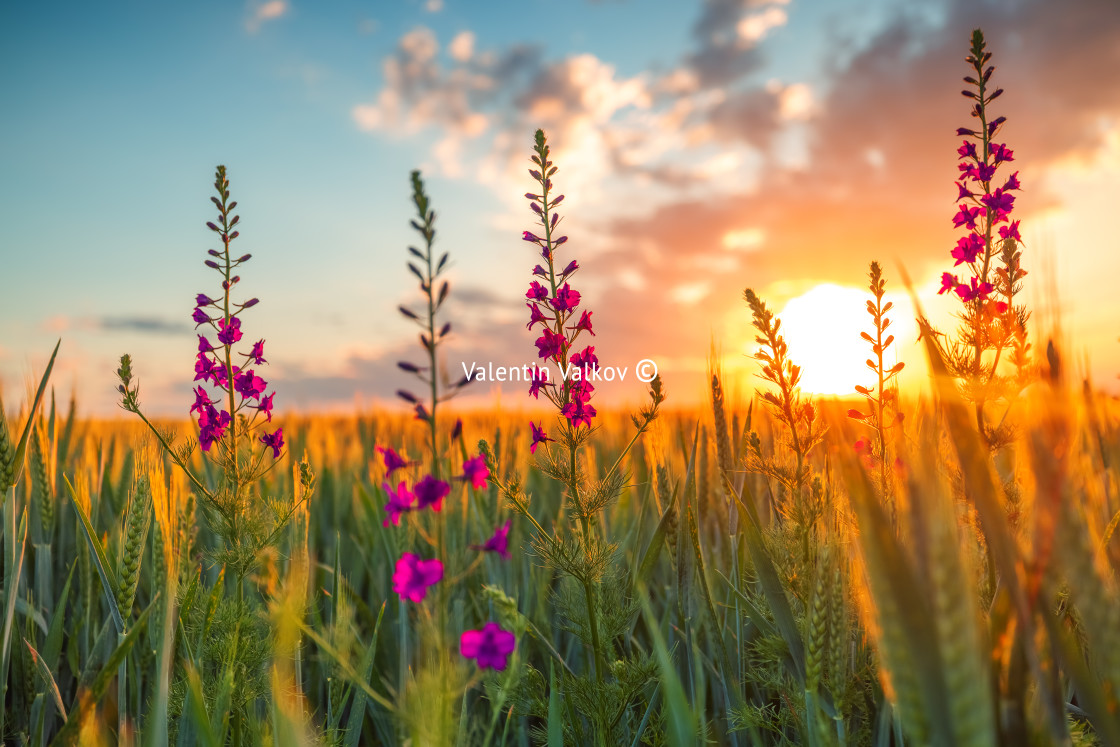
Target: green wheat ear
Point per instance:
(7, 455)
(137, 519)
(41, 484)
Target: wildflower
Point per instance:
(539, 381)
(490, 647)
(413, 576)
(1000, 203)
(204, 368)
(585, 360)
(948, 283)
(1011, 231)
(212, 425)
(539, 437)
(530, 236)
(204, 345)
(257, 353)
(1012, 183)
(498, 542)
(966, 216)
(535, 316)
(566, 299)
(578, 413)
(430, 492)
(475, 472)
(274, 441)
(400, 502)
(393, 460)
(249, 385)
(1001, 153)
(968, 248)
(200, 317)
(536, 292)
(583, 325)
(551, 344)
(265, 406)
(572, 266)
(203, 300)
(974, 291)
(229, 332)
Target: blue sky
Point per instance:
(699, 141)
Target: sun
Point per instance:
(822, 329)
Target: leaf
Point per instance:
(22, 448)
(108, 579)
(45, 673)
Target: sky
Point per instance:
(703, 147)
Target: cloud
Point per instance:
(143, 324)
(261, 13)
(433, 6)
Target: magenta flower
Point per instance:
(1011, 231)
(968, 248)
(948, 283)
(578, 413)
(204, 345)
(537, 383)
(963, 191)
(212, 426)
(430, 492)
(976, 291)
(966, 216)
(393, 460)
(204, 368)
(984, 172)
(257, 353)
(1001, 153)
(249, 385)
(539, 437)
(584, 324)
(203, 300)
(413, 576)
(572, 266)
(490, 647)
(566, 299)
(201, 401)
(585, 359)
(265, 406)
(200, 317)
(498, 543)
(530, 236)
(274, 441)
(399, 502)
(475, 472)
(229, 333)
(536, 316)
(536, 292)
(967, 150)
(581, 390)
(1012, 183)
(1000, 203)
(551, 344)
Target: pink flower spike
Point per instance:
(274, 441)
(490, 647)
(430, 492)
(475, 472)
(400, 501)
(413, 576)
(498, 543)
(539, 437)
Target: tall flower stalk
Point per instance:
(991, 321)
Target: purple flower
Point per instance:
(948, 283)
(201, 400)
(581, 390)
(535, 316)
(393, 461)
(274, 441)
(975, 291)
(498, 543)
(984, 172)
(584, 324)
(538, 381)
(963, 191)
(999, 202)
(204, 368)
(413, 576)
(475, 472)
(430, 492)
(572, 267)
(530, 236)
(551, 344)
(967, 150)
(212, 426)
(578, 413)
(1011, 232)
(1012, 183)
(203, 300)
(229, 333)
(249, 385)
(966, 216)
(584, 360)
(399, 502)
(257, 353)
(266, 406)
(566, 298)
(968, 248)
(536, 292)
(1001, 153)
(490, 647)
(539, 437)
(204, 345)
(200, 317)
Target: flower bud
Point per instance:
(244, 258)
(250, 302)
(212, 227)
(407, 396)
(214, 253)
(408, 367)
(211, 264)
